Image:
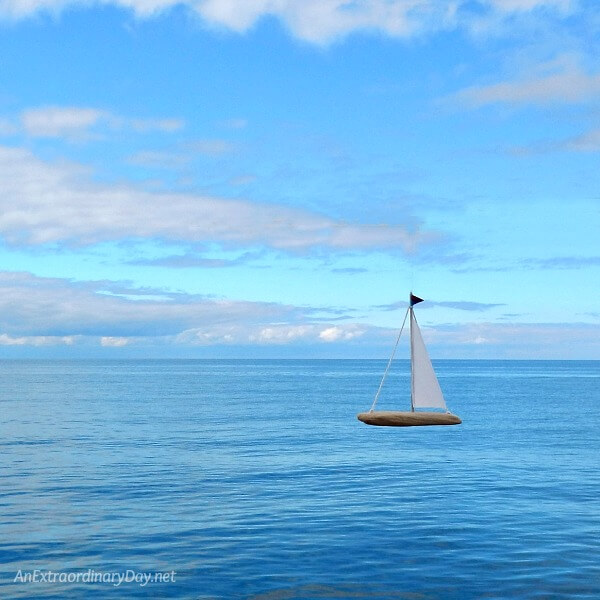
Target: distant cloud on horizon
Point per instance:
(62, 312)
(79, 315)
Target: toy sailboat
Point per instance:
(425, 389)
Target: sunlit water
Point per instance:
(254, 479)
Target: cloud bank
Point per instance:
(42, 311)
(44, 203)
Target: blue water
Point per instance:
(253, 479)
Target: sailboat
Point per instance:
(425, 389)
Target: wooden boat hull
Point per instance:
(396, 418)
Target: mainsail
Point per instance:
(426, 392)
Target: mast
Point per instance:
(412, 363)
(412, 301)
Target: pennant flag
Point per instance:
(415, 299)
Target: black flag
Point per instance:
(415, 299)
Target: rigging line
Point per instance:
(389, 362)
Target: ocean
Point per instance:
(249, 479)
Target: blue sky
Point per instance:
(270, 178)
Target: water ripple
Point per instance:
(253, 479)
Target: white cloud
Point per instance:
(212, 335)
(80, 123)
(55, 121)
(36, 340)
(558, 81)
(273, 334)
(49, 203)
(335, 334)
(281, 334)
(114, 342)
(321, 21)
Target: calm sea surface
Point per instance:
(254, 479)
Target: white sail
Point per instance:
(426, 391)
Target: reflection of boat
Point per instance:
(425, 389)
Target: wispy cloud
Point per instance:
(235, 123)
(37, 340)
(586, 142)
(508, 6)
(193, 260)
(457, 305)
(45, 203)
(555, 262)
(184, 154)
(349, 270)
(157, 159)
(468, 306)
(563, 262)
(515, 340)
(321, 21)
(148, 125)
(559, 81)
(214, 147)
(243, 179)
(54, 121)
(76, 123)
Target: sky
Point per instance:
(271, 178)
